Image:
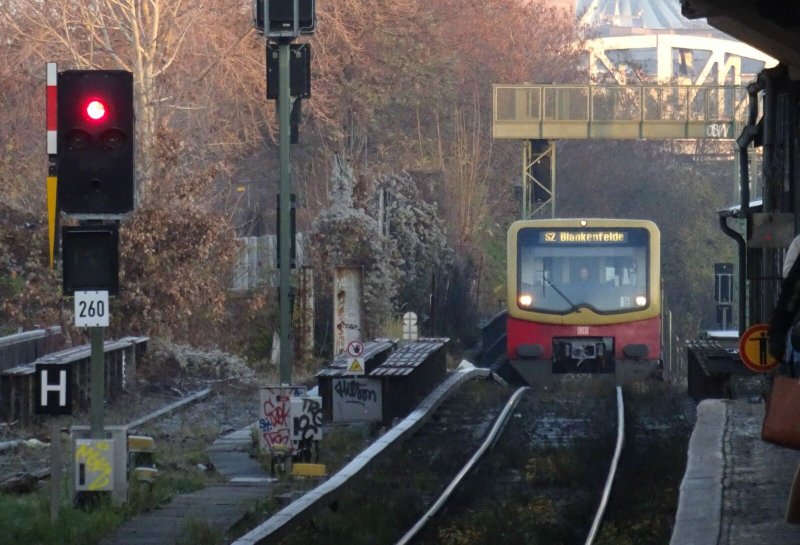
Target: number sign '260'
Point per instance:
(91, 308)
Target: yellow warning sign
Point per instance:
(753, 349)
(355, 366)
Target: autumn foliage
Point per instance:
(401, 106)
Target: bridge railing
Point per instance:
(548, 111)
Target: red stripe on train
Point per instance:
(647, 332)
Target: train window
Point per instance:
(563, 269)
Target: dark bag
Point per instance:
(787, 310)
(782, 419)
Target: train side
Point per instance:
(584, 296)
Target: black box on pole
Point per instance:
(90, 258)
(299, 71)
(283, 22)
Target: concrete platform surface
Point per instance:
(736, 486)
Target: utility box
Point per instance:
(104, 462)
(94, 465)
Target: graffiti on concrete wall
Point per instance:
(357, 400)
(348, 315)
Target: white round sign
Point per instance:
(355, 348)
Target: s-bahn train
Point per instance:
(584, 296)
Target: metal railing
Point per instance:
(548, 111)
(25, 347)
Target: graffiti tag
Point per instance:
(353, 391)
(96, 458)
(718, 130)
(274, 423)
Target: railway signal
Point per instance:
(286, 18)
(282, 21)
(95, 142)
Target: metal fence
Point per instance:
(27, 346)
(257, 262)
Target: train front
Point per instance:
(584, 296)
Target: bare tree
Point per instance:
(141, 36)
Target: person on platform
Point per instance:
(787, 308)
(780, 345)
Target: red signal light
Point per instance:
(96, 110)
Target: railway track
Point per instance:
(544, 478)
(565, 478)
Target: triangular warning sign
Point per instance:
(355, 367)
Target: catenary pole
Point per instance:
(284, 111)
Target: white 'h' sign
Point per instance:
(60, 387)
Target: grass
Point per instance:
(25, 520)
(393, 328)
(200, 532)
(341, 444)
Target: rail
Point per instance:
(282, 522)
(612, 472)
(197, 396)
(548, 111)
(490, 441)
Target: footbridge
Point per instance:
(540, 114)
(555, 112)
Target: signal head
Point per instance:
(96, 110)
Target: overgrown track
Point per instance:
(543, 478)
(542, 483)
(399, 487)
(645, 494)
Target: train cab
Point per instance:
(584, 296)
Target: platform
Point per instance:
(218, 506)
(736, 486)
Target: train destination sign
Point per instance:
(582, 237)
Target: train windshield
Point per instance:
(563, 269)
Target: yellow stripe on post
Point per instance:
(52, 184)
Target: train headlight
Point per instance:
(641, 300)
(525, 299)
